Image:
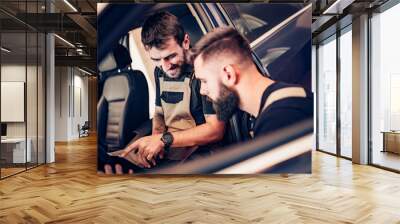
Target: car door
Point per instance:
(279, 35)
(240, 125)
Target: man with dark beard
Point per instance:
(184, 120)
(223, 63)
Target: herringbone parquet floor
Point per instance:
(70, 191)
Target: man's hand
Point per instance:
(136, 159)
(118, 170)
(131, 157)
(147, 148)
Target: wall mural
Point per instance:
(217, 88)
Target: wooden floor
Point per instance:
(10, 171)
(70, 191)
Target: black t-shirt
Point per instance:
(199, 104)
(282, 113)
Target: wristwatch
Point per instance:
(167, 139)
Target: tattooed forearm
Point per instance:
(158, 122)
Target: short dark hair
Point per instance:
(222, 40)
(159, 28)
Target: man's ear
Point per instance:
(230, 75)
(186, 42)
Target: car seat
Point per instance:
(122, 108)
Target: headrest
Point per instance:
(122, 56)
(108, 63)
(119, 58)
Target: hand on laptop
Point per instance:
(147, 149)
(133, 158)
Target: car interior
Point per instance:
(123, 104)
(125, 92)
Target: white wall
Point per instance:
(61, 103)
(70, 83)
(12, 73)
(33, 126)
(80, 83)
(12, 101)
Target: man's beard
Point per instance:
(177, 73)
(179, 68)
(226, 105)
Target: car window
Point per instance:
(191, 26)
(282, 53)
(252, 20)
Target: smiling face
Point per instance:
(171, 57)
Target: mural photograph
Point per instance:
(187, 89)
